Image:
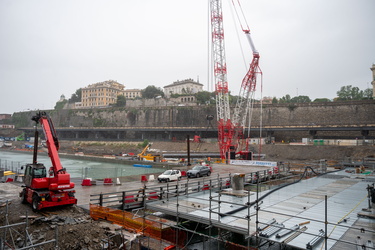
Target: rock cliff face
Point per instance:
(343, 113)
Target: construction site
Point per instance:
(247, 200)
(302, 208)
(317, 203)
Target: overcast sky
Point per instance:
(49, 48)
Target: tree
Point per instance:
(76, 97)
(322, 100)
(274, 100)
(60, 105)
(368, 93)
(121, 101)
(205, 97)
(301, 99)
(285, 99)
(144, 143)
(151, 92)
(349, 92)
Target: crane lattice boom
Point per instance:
(230, 131)
(220, 76)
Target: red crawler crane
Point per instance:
(230, 131)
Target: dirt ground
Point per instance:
(76, 229)
(277, 152)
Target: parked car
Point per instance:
(198, 171)
(170, 175)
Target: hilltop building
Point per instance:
(132, 93)
(62, 98)
(5, 116)
(101, 94)
(187, 86)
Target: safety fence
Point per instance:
(138, 197)
(9, 170)
(13, 166)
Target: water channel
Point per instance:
(77, 168)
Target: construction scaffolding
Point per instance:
(278, 209)
(11, 236)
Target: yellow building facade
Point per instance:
(101, 94)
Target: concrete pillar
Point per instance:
(238, 182)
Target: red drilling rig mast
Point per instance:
(230, 131)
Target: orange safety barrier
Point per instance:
(157, 230)
(143, 178)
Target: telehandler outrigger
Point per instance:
(42, 191)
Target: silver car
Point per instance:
(198, 171)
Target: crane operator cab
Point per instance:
(35, 176)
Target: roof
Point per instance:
(302, 202)
(183, 82)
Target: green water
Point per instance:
(77, 168)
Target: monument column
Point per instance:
(373, 80)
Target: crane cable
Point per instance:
(245, 27)
(242, 14)
(261, 116)
(237, 33)
(210, 77)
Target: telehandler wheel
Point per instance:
(23, 197)
(35, 202)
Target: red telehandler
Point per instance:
(41, 190)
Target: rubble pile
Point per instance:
(74, 227)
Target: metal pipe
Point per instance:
(35, 152)
(315, 240)
(326, 222)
